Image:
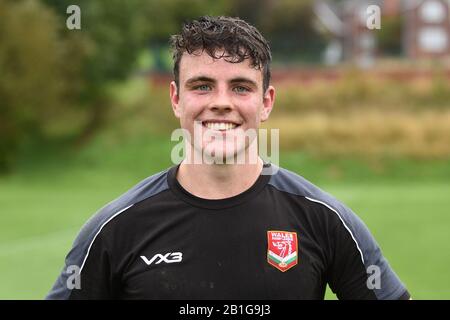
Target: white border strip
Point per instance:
(104, 224)
(342, 220)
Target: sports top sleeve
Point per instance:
(87, 272)
(358, 270)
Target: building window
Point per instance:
(432, 12)
(433, 39)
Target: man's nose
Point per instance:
(221, 102)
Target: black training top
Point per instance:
(283, 238)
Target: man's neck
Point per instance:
(218, 181)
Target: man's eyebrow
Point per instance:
(244, 80)
(199, 79)
(211, 80)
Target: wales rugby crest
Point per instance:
(282, 249)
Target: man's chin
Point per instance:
(236, 156)
(211, 153)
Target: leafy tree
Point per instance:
(113, 32)
(36, 81)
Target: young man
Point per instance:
(216, 228)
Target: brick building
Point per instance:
(426, 28)
(425, 31)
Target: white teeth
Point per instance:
(220, 125)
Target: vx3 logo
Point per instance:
(170, 257)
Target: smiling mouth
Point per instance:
(219, 126)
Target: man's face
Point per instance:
(221, 98)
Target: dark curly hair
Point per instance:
(238, 39)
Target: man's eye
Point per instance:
(203, 87)
(241, 89)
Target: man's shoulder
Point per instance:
(145, 189)
(288, 181)
(91, 230)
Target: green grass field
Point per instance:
(44, 206)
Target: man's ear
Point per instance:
(174, 99)
(268, 101)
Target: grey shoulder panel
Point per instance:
(391, 286)
(81, 246)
